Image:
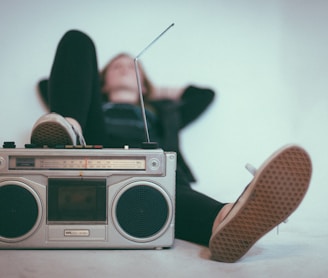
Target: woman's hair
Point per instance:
(147, 85)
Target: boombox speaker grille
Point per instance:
(18, 211)
(142, 211)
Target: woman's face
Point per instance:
(120, 78)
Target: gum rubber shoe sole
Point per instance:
(277, 189)
(51, 134)
(51, 130)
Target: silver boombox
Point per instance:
(87, 198)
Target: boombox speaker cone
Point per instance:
(18, 211)
(142, 211)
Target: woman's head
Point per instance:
(119, 80)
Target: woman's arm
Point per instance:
(191, 101)
(194, 101)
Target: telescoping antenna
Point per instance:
(148, 144)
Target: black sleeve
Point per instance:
(194, 102)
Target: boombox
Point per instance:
(87, 198)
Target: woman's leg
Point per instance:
(195, 215)
(74, 89)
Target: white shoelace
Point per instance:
(79, 136)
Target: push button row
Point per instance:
(81, 147)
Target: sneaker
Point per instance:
(276, 191)
(54, 130)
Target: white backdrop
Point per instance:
(267, 61)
